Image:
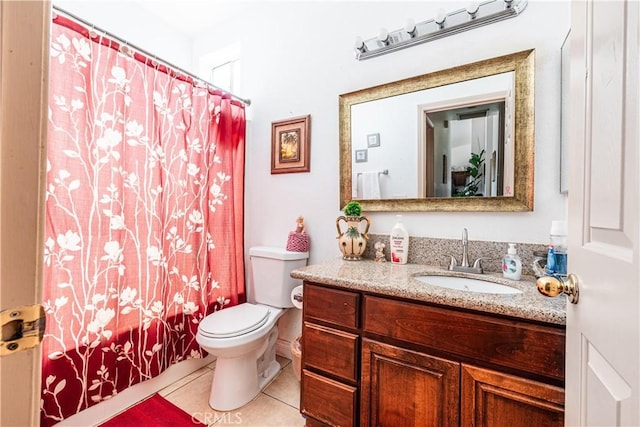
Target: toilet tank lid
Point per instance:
(276, 253)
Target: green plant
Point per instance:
(352, 209)
(475, 172)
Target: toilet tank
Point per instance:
(271, 267)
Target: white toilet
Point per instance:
(243, 337)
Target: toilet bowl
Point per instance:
(243, 337)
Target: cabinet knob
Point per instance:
(553, 286)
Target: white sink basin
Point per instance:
(469, 285)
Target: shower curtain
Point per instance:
(144, 217)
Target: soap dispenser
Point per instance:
(511, 264)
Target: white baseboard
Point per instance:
(101, 412)
(283, 348)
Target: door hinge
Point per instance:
(22, 328)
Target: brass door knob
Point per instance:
(554, 286)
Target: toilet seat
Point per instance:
(234, 321)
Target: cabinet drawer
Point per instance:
(328, 401)
(332, 351)
(522, 346)
(331, 305)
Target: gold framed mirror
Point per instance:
(499, 170)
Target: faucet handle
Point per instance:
(453, 262)
(478, 263)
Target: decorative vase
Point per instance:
(352, 242)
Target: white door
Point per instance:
(24, 41)
(603, 350)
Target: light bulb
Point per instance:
(359, 45)
(383, 36)
(410, 27)
(472, 9)
(441, 17)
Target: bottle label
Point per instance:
(561, 264)
(397, 243)
(398, 249)
(509, 265)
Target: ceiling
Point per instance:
(192, 17)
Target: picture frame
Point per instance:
(361, 156)
(373, 140)
(290, 140)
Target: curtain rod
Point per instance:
(120, 40)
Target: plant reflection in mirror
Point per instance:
(475, 171)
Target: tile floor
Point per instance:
(277, 405)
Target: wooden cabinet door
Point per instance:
(493, 399)
(405, 388)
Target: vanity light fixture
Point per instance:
(475, 15)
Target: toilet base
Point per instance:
(269, 374)
(238, 380)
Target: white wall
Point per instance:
(460, 135)
(395, 120)
(297, 58)
(134, 23)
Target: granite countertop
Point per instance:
(398, 280)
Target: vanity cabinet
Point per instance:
(376, 360)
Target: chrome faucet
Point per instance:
(464, 263)
(465, 247)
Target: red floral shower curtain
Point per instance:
(144, 218)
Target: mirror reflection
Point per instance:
(460, 139)
(449, 141)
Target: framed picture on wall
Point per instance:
(290, 145)
(361, 156)
(373, 140)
